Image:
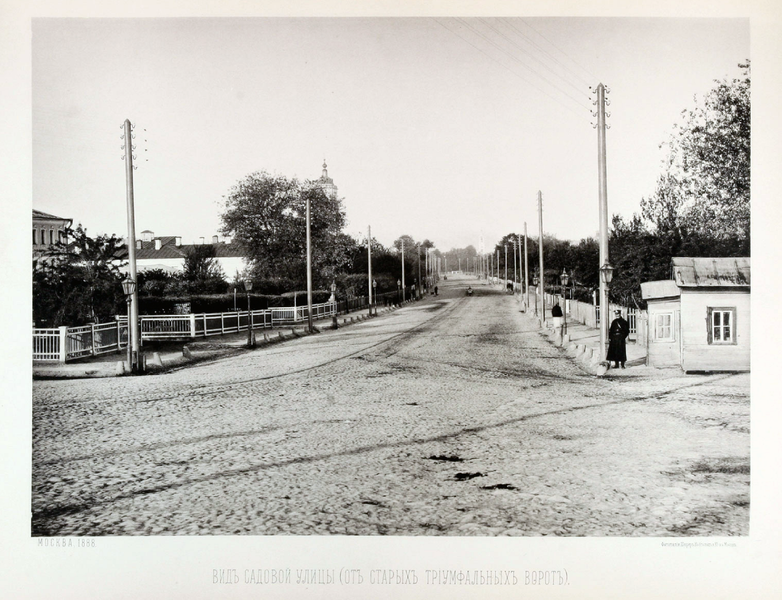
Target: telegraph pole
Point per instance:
(540, 256)
(603, 193)
(526, 269)
(369, 262)
(403, 269)
(133, 333)
(309, 270)
(419, 287)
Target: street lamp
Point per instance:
(606, 274)
(535, 282)
(248, 286)
(334, 324)
(128, 287)
(564, 279)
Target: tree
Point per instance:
(267, 215)
(79, 281)
(705, 187)
(202, 273)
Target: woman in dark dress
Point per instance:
(617, 334)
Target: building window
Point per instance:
(722, 325)
(663, 327)
(51, 236)
(34, 240)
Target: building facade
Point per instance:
(47, 231)
(700, 320)
(168, 253)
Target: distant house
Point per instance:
(168, 253)
(700, 319)
(47, 231)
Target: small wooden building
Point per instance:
(700, 319)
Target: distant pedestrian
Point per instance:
(435, 290)
(556, 316)
(617, 334)
(412, 292)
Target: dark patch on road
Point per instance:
(499, 486)
(443, 457)
(467, 476)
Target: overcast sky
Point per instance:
(438, 128)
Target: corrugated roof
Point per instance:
(711, 272)
(666, 288)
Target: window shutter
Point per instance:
(709, 317)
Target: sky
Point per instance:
(439, 128)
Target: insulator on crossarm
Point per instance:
(608, 90)
(608, 126)
(122, 157)
(132, 125)
(133, 135)
(608, 102)
(134, 157)
(122, 137)
(608, 114)
(122, 147)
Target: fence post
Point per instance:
(192, 325)
(63, 343)
(92, 338)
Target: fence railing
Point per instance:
(67, 343)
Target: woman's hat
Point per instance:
(617, 312)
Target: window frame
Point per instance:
(671, 337)
(712, 310)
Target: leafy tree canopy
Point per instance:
(79, 281)
(267, 215)
(705, 186)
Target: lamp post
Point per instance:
(334, 324)
(564, 279)
(128, 287)
(606, 274)
(248, 286)
(535, 283)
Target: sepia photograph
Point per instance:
(393, 303)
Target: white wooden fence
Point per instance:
(67, 343)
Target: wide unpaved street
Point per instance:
(450, 416)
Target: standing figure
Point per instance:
(617, 334)
(556, 316)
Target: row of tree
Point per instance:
(700, 206)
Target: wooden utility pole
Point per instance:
(540, 256)
(526, 269)
(369, 263)
(403, 269)
(309, 270)
(133, 333)
(603, 194)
